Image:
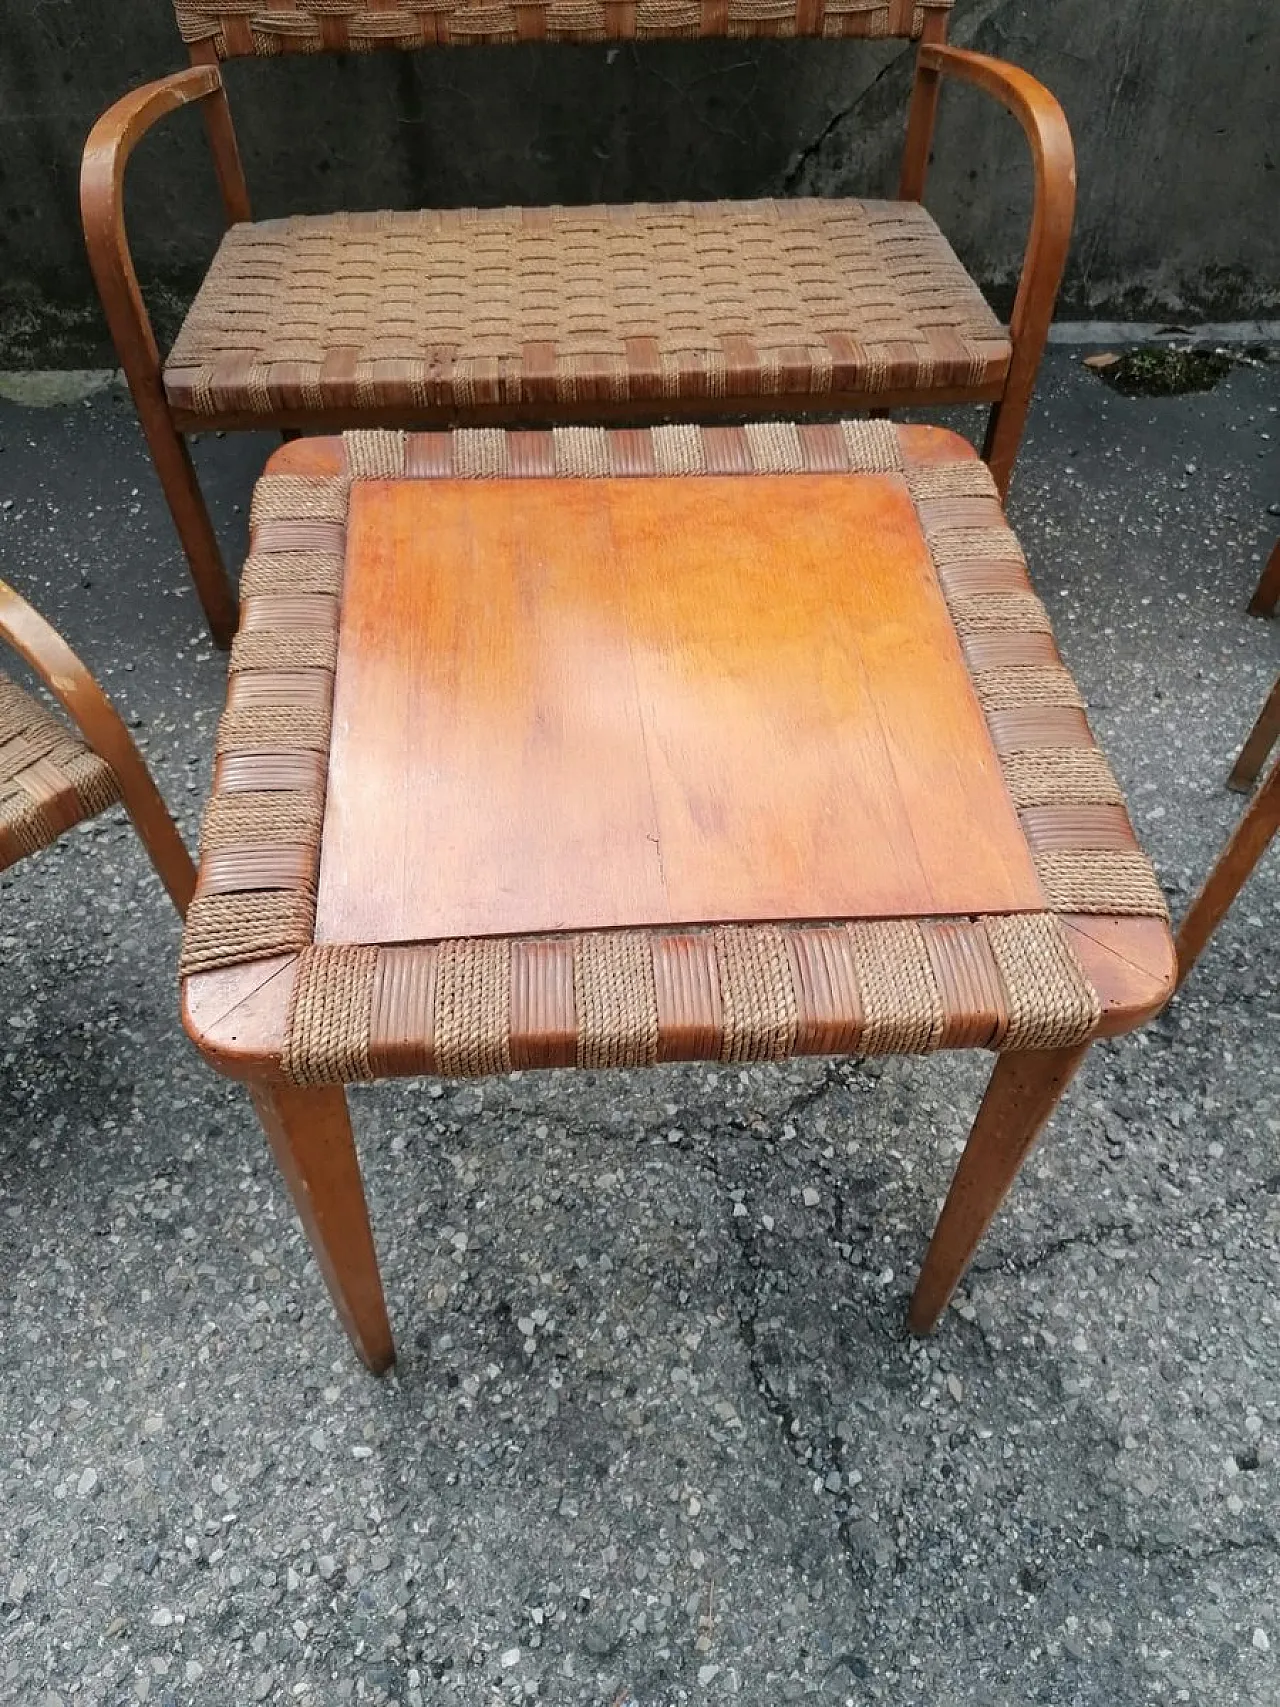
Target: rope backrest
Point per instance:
(237, 27)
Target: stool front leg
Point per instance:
(310, 1136)
(1022, 1093)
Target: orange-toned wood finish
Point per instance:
(1052, 213)
(119, 130)
(61, 671)
(582, 704)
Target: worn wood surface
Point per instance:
(580, 704)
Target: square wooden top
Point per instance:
(565, 705)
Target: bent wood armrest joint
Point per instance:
(1053, 210)
(106, 156)
(67, 679)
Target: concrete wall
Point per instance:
(1174, 109)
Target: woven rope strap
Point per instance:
(999, 613)
(258, 818)
(799, 297)
(300, 571)
(1052, 1005)
(295, 497)
(327, 1035)
(582, 453)
(16, 710)
(900, 1000)
(1101, 880)
(756, 993)
(964, 526)
(1032, 684)
(941, 480)
(375, 455)
(616, 1000)
(49, 779)
(284, 649)
(95, 783)
(222, 930)
(873, 447)
(731, 994)
(1061, 776)
(473, 1031)
(248, 728)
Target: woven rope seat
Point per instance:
(520, 306)
(49, 778)
(359, 26)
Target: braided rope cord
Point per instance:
(629, 998)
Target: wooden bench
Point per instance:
(590, 314)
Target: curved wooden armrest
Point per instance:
(48, 654)
(1053, 163)
(106, 155)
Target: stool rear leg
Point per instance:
(1262, 737)
(1246, 846)
(1266, 595)
(1022, 1093)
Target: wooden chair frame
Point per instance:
(120, 129)
(47, 653)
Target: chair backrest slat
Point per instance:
(236, 27)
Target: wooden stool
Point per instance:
(601, 749)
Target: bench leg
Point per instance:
(1023, 1092)
(1245, 847)
(1005, 426)
(310, 1136)
(1266, 594)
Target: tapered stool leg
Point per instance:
(310, 1136)
(1245, 847)
(1266, 595)
(1023, 1092)
(1262, 737)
